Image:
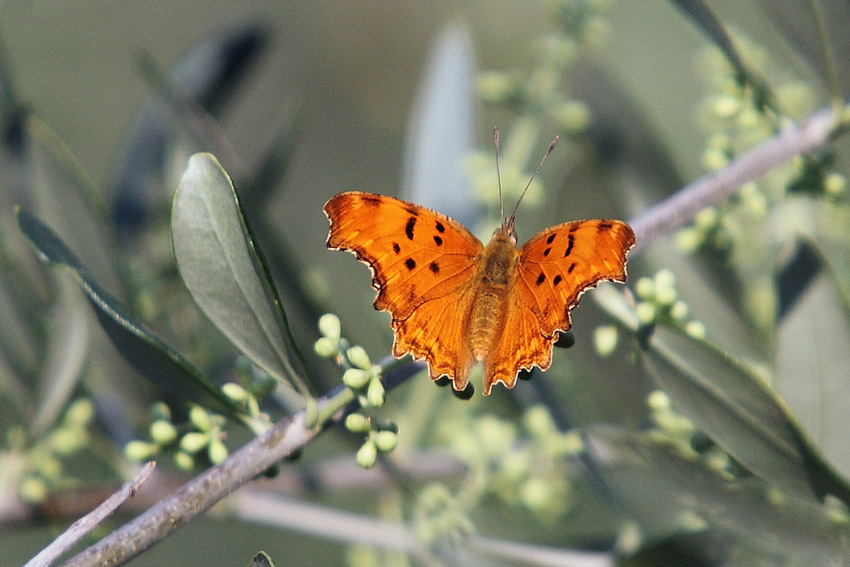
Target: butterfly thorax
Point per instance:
(496, 277)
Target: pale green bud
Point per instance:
(138, 451)
(749, 118)
(645, 312)
(695, 329)
(376, 393)
(706, 218)
(538, 421)
(385, 441)
(162, 432)
(665, 295)
(515, 466)
(688, 240)
(80, 412)
(68, 440)
(217, 451)
(358, 357)
(658, 400)
(665, 278)
(573, 443)
(235, 392)
(715, 160)
(357, 423)
(834, 184)
(194, 442)
(356, 378)
(200, 418)
(645, 288)
(184, 461)
(726, 106)
(33, 490)
(50, 468)
(497, 86)
(838, 516)
(574, 115)
(679, 311)
(329, 326)
(367, 455)
(535, 493)
(605, 339)
(325, 347)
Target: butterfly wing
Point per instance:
(422, 265)
(520, 346)
(560, 263)
(437, 331)
(555, 268)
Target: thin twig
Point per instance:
(85, 525)
(713, 189)
(202, 492)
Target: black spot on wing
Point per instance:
(604, 225)
(558, 279)
(410, 264)
(571, 268)
(546, 252)
(408, 228)
(434, 267)
(438, 240)
(440, 227)
(396, 247)
(541, 278)
(570, 241)
(551, 238)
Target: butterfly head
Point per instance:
(508, 228)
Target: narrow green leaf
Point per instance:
(223, 271)
(812, 358)
(204, 78)
(702, 14)
(154, 359)
(819, 30)
(52, 185)
(740, 412)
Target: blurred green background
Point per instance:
(353, 68)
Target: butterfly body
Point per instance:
(486, 316)
(455, 302)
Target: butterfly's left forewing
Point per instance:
(423, 266)
(560, 263)
(416, 254)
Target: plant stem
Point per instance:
(815, 131)
(199, 494)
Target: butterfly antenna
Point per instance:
(498, 173)
(549, 151)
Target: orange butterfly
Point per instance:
(454, 301)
